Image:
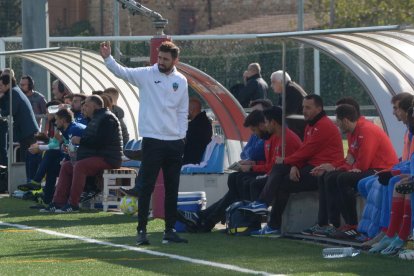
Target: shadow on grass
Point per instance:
(272, 255)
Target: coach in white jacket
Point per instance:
(162, 123)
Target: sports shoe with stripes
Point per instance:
(49, 209)
(325, 231)
(309, 231)
(68, 209)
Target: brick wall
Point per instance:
(183, 15)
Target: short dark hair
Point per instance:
(68, 96)
(96, 99)
(53, 102)
(316, 99)
(5, 79)
(399, 97)
(97, 92)
(169, 47)
(266, 103)
(351, 101)
(346, 111)
(406, 102)
(82, 96)
(112, 91)
(65, 114)
(255, 118)
(273, 113)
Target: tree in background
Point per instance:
(10, 17)
(363, 13)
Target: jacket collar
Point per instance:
(256, 76)
(317, 118)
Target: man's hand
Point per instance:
(34, 148)
(321, 169)
(245, 168)
(294, 174)
(105, 49)
(75, 140)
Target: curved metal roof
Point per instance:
(84, 71)
(382, 61)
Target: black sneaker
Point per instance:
(405, 187)
(29, 186)
(171, 236)
(68, 209)
(52, 208)
(130, 192)
(87, 196)
(309, 231)
(190, 219)
(142, 238)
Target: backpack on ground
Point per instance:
(241, 222)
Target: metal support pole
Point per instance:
(300, 7)
(2, 57)
(316, 72)
(10, 132)
(117, 50)
(81, 71)
(283, 98)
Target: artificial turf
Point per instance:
(29, 252)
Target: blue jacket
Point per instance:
(254, 149)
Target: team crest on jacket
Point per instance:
(175, 86)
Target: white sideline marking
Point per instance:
(141, 250)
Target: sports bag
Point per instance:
(241, 222)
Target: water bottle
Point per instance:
(339, 252)
(72, 149)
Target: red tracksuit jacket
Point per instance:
(273, 149)
(322, 144)
(370, 147)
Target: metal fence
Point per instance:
(226, 59)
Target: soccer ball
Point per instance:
(129, 205)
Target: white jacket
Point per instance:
(163, 109)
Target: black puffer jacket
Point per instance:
(256, 88)
(102, 137)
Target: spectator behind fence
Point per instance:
(24, 123)
(255, 86)
(369, 150)
(294, 92)
(322, 144)
(118, 111)
(163, 124)
(294, 98)
(199, 133)
(100, 148)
